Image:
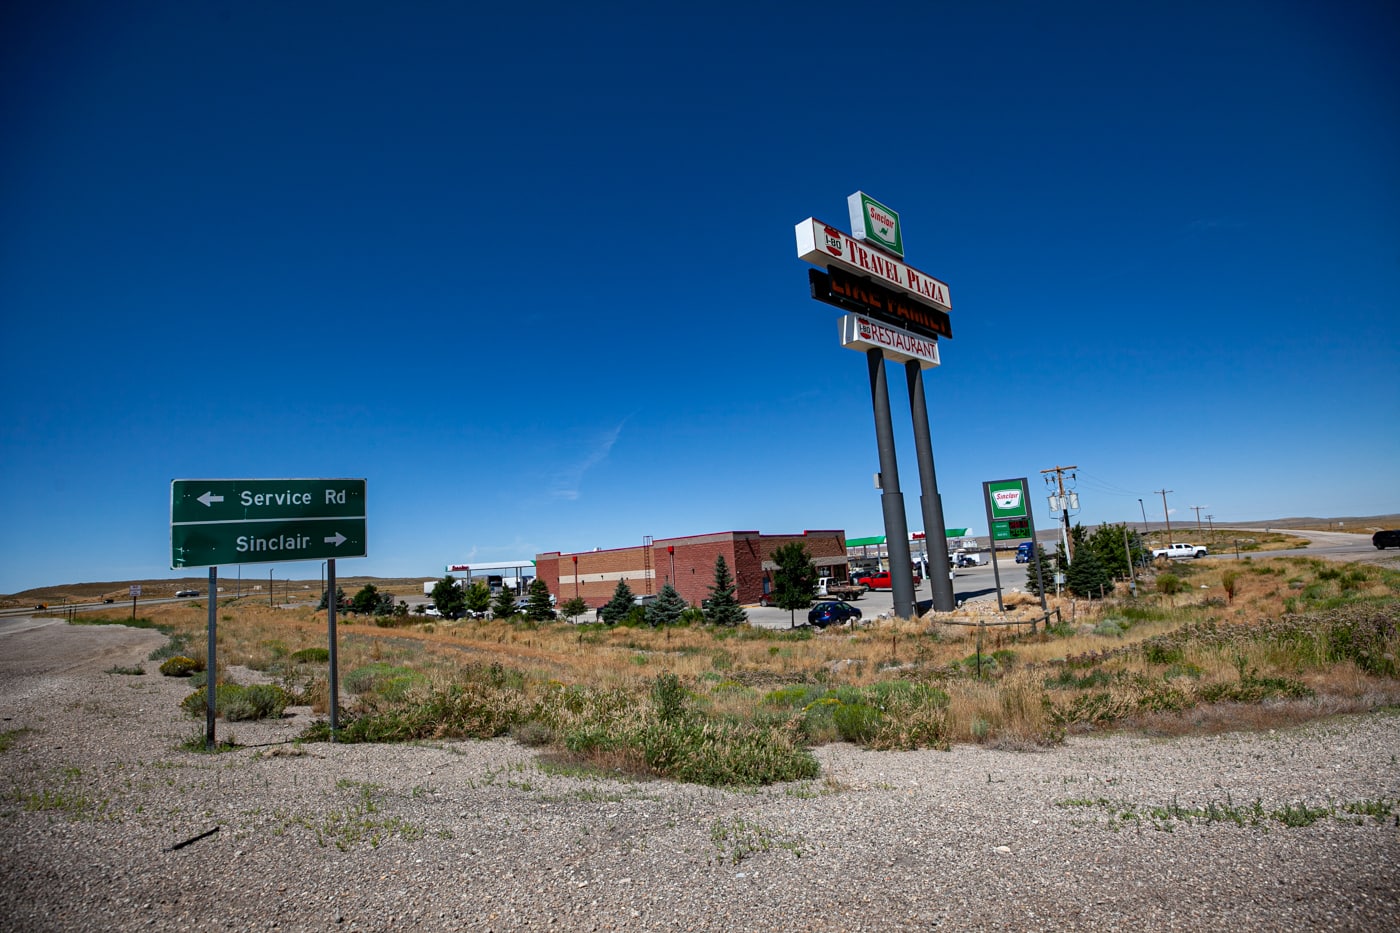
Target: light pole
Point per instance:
(1144, 517)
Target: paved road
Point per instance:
(978, 582)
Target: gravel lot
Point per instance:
(95, 796)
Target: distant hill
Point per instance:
(1361, 524)
(121, 590)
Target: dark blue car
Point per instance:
(832, 612)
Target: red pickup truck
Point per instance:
(881, 581)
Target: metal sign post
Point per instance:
(930, 502)
(891, 499)
(331, 601)
(211, 666)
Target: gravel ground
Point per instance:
(95, 797)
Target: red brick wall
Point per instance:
(689, 564)
(598, 574)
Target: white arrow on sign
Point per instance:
(338, 540)
(209, 499)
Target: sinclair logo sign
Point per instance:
(1007, 498)
(875, 223)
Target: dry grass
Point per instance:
(1017, 703)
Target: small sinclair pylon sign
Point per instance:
(875, 223)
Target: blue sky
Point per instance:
(530, 271)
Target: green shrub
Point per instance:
(1169, 584)
(1162, 651)
(312, 656)
(857, 722)
(724, 754)
(258, 701)
(669, 696)
(239, 703)
(1230, 581)
(1068, 679)
(180, 666)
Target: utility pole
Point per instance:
(1211, 519)
(1197, 509)
(1165, 514)
(1059, 472)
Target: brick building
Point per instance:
(688, 563)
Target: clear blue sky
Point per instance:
(529, 269)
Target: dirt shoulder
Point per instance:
(105, 823)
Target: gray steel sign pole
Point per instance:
(930, 502)
(331, 601)
(992, 541)
(211, 666)
(891, 499)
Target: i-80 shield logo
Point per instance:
(833, 240)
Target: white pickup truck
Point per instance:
(1175, 551)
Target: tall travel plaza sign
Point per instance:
(215, 522)
(896, 313)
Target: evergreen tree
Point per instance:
(366, 601)
(1111, 545)
(667, 608)
(722, 608)
(794, 580)
(1086, 576)
(339, 599)
(449, 598)
(478, 598)
(617, 608)
(538, 608)
(503, 607)
(1047, 569)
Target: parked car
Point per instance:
(832, 612)
(431, 610)
(1385, 539)
(881, 581)
(183, 593)
(1179, 551)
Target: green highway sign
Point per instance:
(262, 521)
